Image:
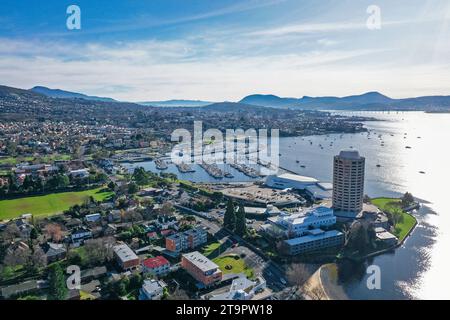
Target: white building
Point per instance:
(270, 210)
(320, 191)
(80, 173)
(242, 289)
(297, 224)
(316, 239)
(290, 181)
(152, 290)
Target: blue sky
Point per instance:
(220, 50)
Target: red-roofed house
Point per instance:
(152, 235)
(167, 232)
(158, 266)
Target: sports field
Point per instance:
(49, 204)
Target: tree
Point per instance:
(317, 293)
(99, 251)
(33, 234)
(111, 185)
(241, 224)
(16, 257)
(53, 231)
(36, 259)
(167, 209)
(297, 275)
(28, 182)
(57, 283)
(11, 232)
(358, 238)
(407, 199)
(133, 188)
(229, 219)
(136, 281)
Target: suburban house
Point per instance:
(125, 257)
(201, 268)
(158, 266)
(54, 251)
(93, 218)
(152, 290)
(80, 234)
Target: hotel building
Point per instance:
(348, 182)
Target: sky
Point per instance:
(223, 50)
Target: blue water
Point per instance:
(418, 268)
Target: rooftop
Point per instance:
(125, 253)
(349, 155)
(155, 262)
(310, 238)
(298, 178)
(200, 261)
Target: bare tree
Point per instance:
(37, 259)
(317, 294)
(178, 294)
(100, 250)
(297, 275)
(31, 259)
(15, 257)
(132, 216)
(54, 232)
(167, 209)
(11, 232)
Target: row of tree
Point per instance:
(55, 182)
(234, 219)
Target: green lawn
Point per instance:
(394, 205)
(237, 265)
(209, 249)
(49, 204)
(46, 159)
(9, 161)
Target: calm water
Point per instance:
(419, 268)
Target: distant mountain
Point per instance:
(57, 93)
(306, 102)
(233, 107)
(176, 103)
(269, 100)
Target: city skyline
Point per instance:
(224, 51)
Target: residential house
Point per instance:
(125, 257)
(93, 218)
(80, 234)
(54, 251)
(158, 266)
(152, 290)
